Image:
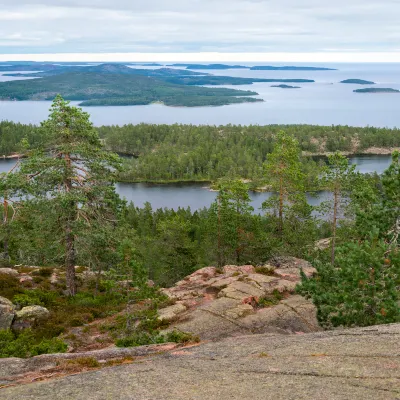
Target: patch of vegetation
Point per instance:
(9, 286)
(265, 270)
(145, 338)
(26, 344)
(270, 300)
(35, 297)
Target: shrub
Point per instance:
(35, 297)
(270, 300)
(265, 270)
(9, 286)
(26, 344)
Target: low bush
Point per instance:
(26, 344)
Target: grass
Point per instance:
(270, 300)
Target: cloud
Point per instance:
(105, 26)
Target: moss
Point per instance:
(271, 299)
(265, 270)
(88, 362)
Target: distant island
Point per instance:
(358, 82)
(227, 80)
(289, 68)
(110, 84)
(209, 66)
(171, 75)
(286, 86)
(376, 90)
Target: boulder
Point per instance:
(9, 271)
(28, 316)
(7, 313)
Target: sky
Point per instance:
(196, 30)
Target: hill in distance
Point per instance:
(111, 84)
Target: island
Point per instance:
(171, 75)
(358, 82)
(289, 68)
(111, 85)
(209, 66)
(376, 90)
(227, 80)
(286, 86)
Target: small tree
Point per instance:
(231, 210)
(337, 178)
(73, 175)
(284, 176)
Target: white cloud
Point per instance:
(281, 26)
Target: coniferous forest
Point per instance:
(60, 210)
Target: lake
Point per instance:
(197, 196)
(325, 102)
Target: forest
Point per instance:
(60, 210)
(205, 153)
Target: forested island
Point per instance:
(289, 68)
(119, 85)
(209, 66)
(358, 82)
(286, 86)
(171, 153)
(376, 90)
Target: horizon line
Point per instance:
(318, 57)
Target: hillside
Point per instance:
(118, 88)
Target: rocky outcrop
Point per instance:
(213, 304)
(7, 313)
(361, 363)
(29, 316)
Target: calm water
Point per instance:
(325, 102)
(197, 196)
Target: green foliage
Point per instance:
(144, 338)
(360, 289)
(270, 300)
(35, 297)
(26, 344)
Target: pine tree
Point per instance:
(288, 203)
(72, 175)
(337, 177)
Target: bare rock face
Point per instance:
(9, 271)
(7, 313)
(213, 304)
(28, 316)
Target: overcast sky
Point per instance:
(192, 26)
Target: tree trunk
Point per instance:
(70, 256)
(281, 207)
(70, 260)
(334, 222)
(5, 224)
(219, 235)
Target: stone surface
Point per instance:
(170, 313)
(349, 364)
(224, 304)
(7, 313)
(9, 271)
(28, 316)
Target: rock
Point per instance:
(7, 313)
(213, 306)
(170, 313)
(25, 278)
(28, 316)
(241, 290)
(9, 271)
(323, 244)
